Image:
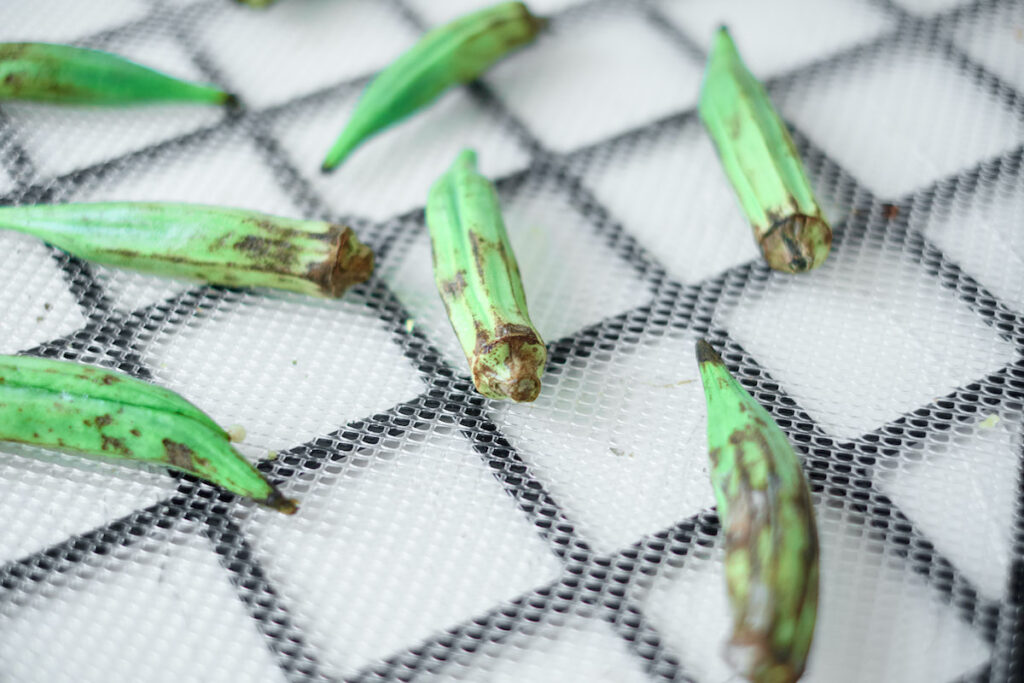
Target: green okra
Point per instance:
(63, 74)
(762, 163)
(455, 53)
(256, 3)
(88, 410)
(223, 246)
(478, 279)
(771, 541)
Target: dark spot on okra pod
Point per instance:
(178, 455)
(219, 245)
(64, 74)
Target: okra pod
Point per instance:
(63, 74)
(771, 541)
(87, 410)
(455, 53)
(478, 279)
(224, 246)
(762, 163)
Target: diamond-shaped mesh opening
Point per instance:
(447, 537)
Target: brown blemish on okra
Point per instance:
(350, 263)
(179, 455)
(456, 285)
(103, 420)
(272, 253)
(114, 445)
(790, 243)
(278, 502)
(520, 381)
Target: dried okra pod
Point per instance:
(88, 410)
(63, 74)
(771, 541)
(231, 247)
(455, 53)
(478, 279)
(762, 163)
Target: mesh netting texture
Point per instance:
(446, 537)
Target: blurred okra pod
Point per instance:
(771, 541)
(88, 410)
(63, 74)
(762, 163)
(455, 53)
(224, 246)
(478, 279)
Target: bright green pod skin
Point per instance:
(449, 55)
(223, 246)
(762, 163)
(771, 541)
(86, 410)
(63, 74)
(478, 279)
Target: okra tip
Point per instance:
(540, 23)
(467, 157)
(341, 149)
(722, 39)
(707, 354)
(276, 501)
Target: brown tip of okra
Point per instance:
(278, 502)
(797, 243)
(351, 262)
(540, 23)
(706, 354)
(511, 366)
(522, 390)
(231, 101)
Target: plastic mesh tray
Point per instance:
(446, 537)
